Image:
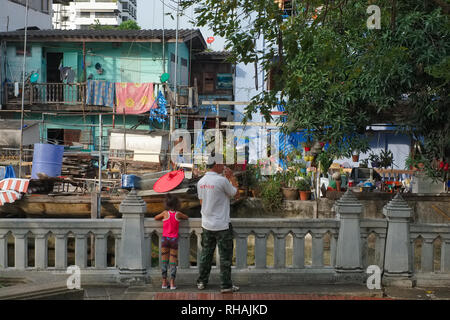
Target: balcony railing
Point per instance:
(75, 94)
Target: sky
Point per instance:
(150, 16)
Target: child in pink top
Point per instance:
(169, 241)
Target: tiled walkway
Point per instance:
(254, 296)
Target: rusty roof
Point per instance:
(184, 35)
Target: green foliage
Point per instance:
(129, 25)
(126, 25)
(271, 195)
(326, 160)
(386, 158)
(303, 185)
(334, 76)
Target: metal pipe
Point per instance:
(23, 89)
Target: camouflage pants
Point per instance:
(224, 240)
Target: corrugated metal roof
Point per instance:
(113, 35)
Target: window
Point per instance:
(184, 62)
(19, 50)
(105, 15)
(84, 14)
(208, 82)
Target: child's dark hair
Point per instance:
(171, 202)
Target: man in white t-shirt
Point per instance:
(215, 192)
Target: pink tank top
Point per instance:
(170, 226)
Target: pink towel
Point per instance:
(134, 98)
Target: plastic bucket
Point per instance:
(47, 159)
(130, 181)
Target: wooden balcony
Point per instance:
(72, 97)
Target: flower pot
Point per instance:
(355, 157)
(307, 148)
(255, 193)
(305, 195)
(289, 193)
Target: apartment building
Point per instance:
(12, 15)
(81, 14)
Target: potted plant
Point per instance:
(374, 160)
(288, 187)
(271, 195)
(364, 163)
(386, 158)
(304, 188)
(357, 145)
(307, 145)
(325, 158)
(251, 179)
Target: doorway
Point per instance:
(54, 60)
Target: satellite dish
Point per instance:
(165, 77)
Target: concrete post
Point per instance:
(348, 251)
(132, 264)
(397, 260)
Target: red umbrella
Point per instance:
(169, 181)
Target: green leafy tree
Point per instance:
(334, 75)
(126, 25)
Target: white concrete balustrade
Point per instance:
(260, 229)
(293, 246)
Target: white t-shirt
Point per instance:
(215, 192)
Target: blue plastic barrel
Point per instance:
(47, 159)
(130, 181)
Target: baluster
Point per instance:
(148, 250)
(117, 244)
(159, 251)
(364, 249)
(101, 247)
(260, 249)
(81, 251)
(216, 251)
(298, 259)
(279, 249)
(199, 246)
(3, 251)
(41, 251)
(427, 255)
(60, 251)
(379, 250)
(333, 247)
(21, 250)
(183, 249)
(241, 250)
(445, 255)
(317, 250)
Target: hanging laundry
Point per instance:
(67, 75)
(16, 89)
(134, 98)
(160, 113)
(10, 172)
(100, 93)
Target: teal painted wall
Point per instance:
(121, 62)
(14, 62)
